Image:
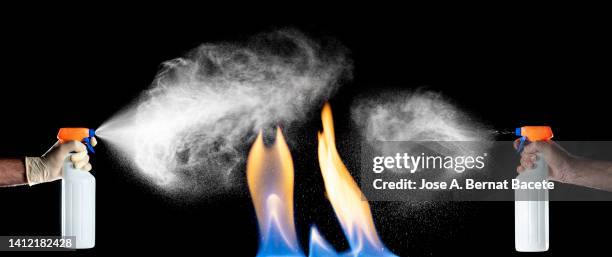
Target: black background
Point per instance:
(507, 70)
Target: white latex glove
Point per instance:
(48, 167)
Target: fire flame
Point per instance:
(347, 200)
(270, 179)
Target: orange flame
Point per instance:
(270, 179)
(347, 200)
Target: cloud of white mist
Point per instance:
(189, 131)
(418, 115)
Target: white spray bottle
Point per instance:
(531, 206)
(78, 194)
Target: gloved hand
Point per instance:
(48, 167)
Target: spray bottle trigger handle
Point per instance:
(521, 145)
(88, 144)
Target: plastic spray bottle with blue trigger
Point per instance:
(531, 206)
(78, 194)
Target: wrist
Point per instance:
(35, 170)
(568, 171)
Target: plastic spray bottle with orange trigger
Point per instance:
(531, 205)
(78, 194)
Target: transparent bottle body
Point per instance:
(78, 206)
(531, 218)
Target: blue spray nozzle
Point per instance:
(518, 132)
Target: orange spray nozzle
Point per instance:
(79, 134)
(533, 133)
